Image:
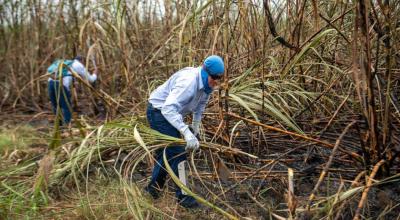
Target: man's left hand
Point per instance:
(195, 127)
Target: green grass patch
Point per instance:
(19, 138)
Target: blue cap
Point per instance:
(214, 65)
(79, 57)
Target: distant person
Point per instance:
(186, 91)
(60, 96)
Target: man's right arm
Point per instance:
(177, 98)
(81, 70)
(180, 95)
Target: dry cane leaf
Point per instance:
(45, 168)
(223, 171)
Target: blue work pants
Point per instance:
(60, 97)
(174, 154)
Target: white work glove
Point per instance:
(191, 141)
(195, 127)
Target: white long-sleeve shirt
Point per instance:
(80, 69)
(181, 94)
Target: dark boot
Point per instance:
(153, 191)
(188, 202)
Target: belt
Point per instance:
(57, 78)
(53, 77)
(152, 107)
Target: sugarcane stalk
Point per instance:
(304, 137)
